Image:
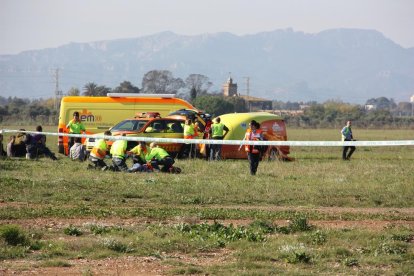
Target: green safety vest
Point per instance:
(118, 148)
(76, 127)
(217, 129)
(188, 130)
(157, 153)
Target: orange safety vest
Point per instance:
(250, 136)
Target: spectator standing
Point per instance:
(254, 133)
(218, 132)
(347, 136)
(75, 126)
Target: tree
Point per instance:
(126, 87)
(161, 82)
(102, 90)
(382, 103)
(74, 91)
(90, 89)
(197, 84)
(215, 105)
(239, 104)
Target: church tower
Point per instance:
(230, 88)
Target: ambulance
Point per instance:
(100, 113)
(273, 127)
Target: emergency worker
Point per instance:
(218, 132)
(98, 153)
(206, 135)
(139, 154)
(190, 132)
(118, 151)
(347, 136)
(159, 156)
(253, 133)
(75, 126)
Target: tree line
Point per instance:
(195, 89)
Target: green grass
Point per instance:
(191, 213)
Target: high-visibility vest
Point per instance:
(252, 136)
(157, 153)
(75, 127)
(99, 150)
(346, 133)
(118, 148)
(217, 130)
(141, 151)
(189, 131)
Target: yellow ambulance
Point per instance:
(101, 113)
(273, 127)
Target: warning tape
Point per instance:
(230, 142)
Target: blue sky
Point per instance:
(37, 24)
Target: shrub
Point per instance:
(13, 235)
(72, 231)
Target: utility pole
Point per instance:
(58, 92)
(248, 92)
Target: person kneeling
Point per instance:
(159, 156)
(118, 151)
(98, 153)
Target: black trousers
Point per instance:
(167, 163)
(254, 159)
(347, 155)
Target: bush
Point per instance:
(72, 231)
(13, 235)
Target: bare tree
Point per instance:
(161, 82)
(197, 84)
(74, 91)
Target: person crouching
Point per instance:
(98, 153)
(159, 156)
(118, 152)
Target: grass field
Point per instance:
(315, 215)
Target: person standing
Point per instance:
(253, 133)
(347, 136)
(206, 135)
(75, 126)
(218, 132)
(118, 151)
(189, 133)
(98, 153)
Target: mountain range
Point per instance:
(350, 65)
